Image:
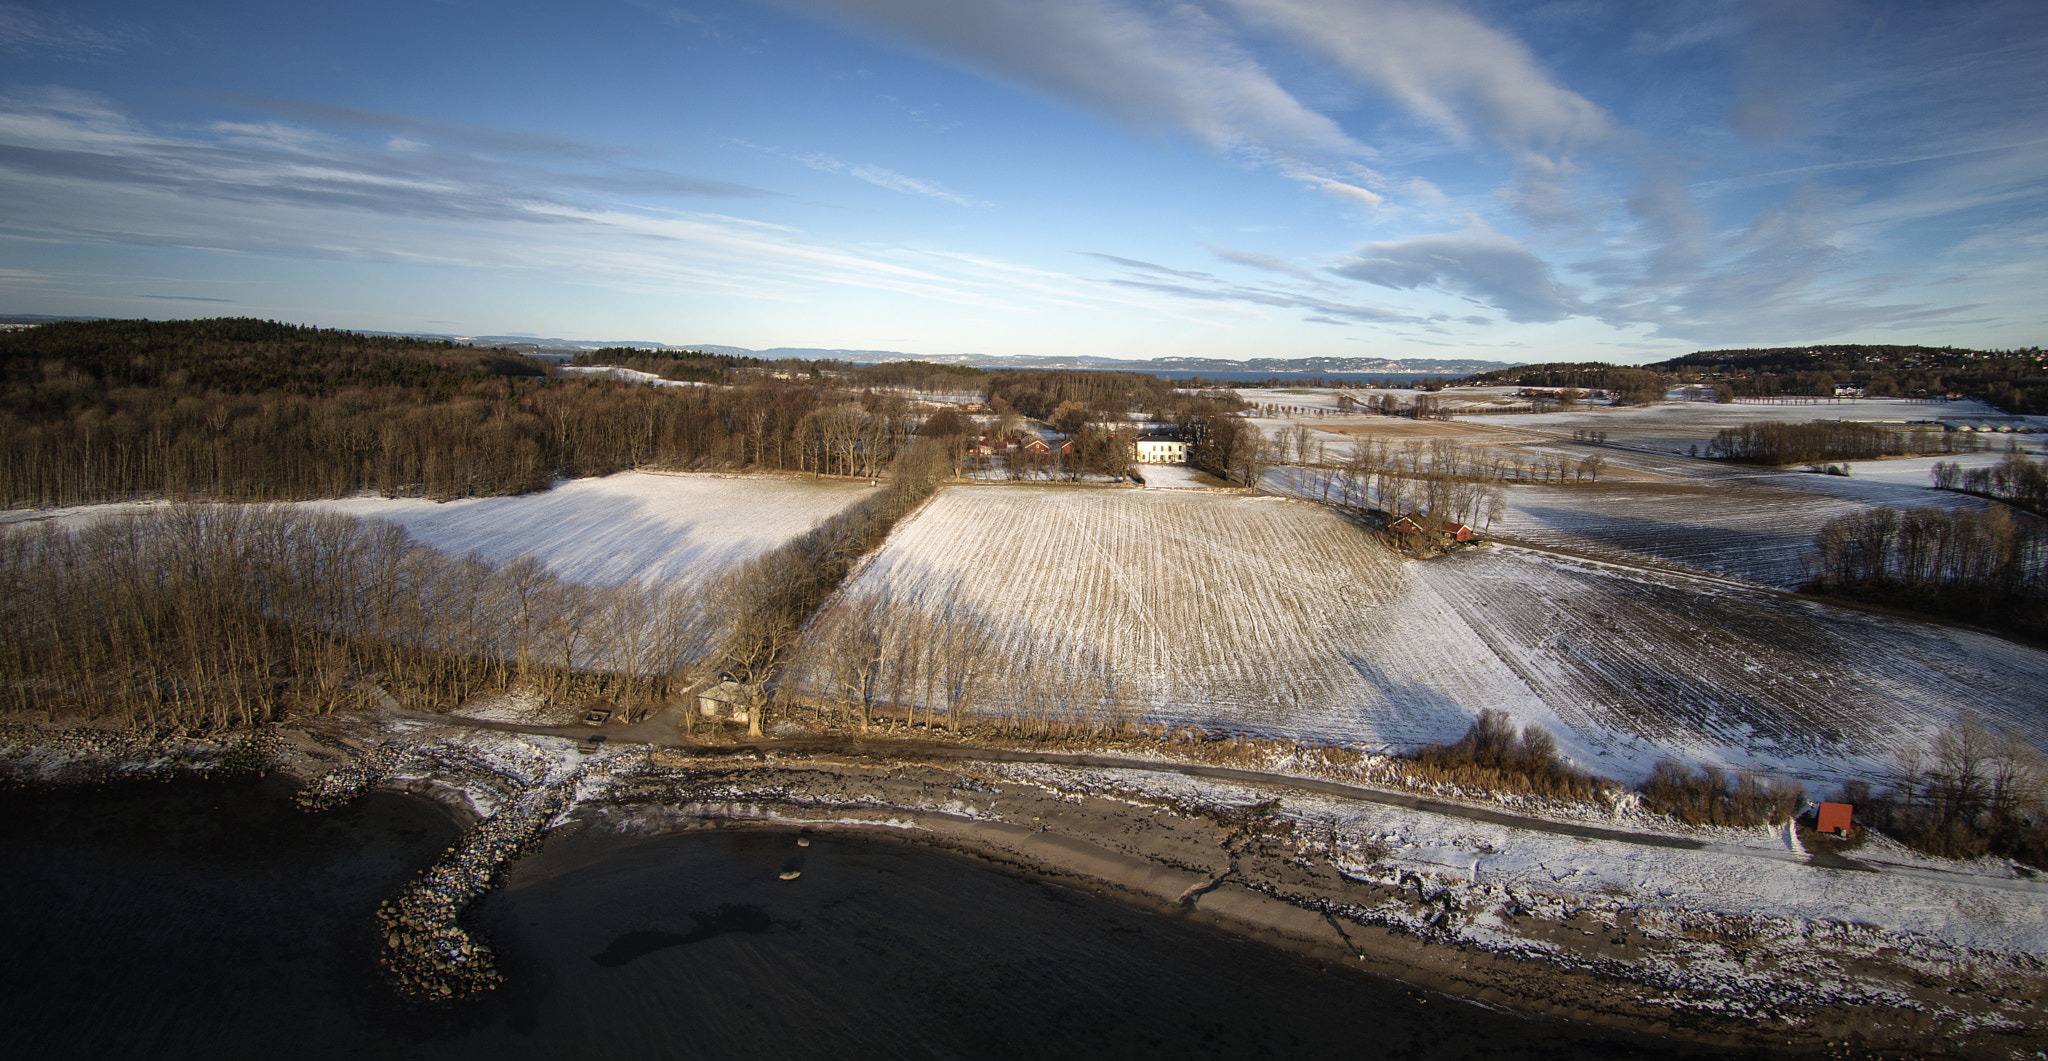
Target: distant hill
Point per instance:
(534, 344)
(1311, 365)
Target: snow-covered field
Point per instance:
(1177, 477)
(1276, 617)
(1917, 471)
(625, 375)
(635, 525)
(1759, 529)
(1674, 427)
(1645, 664)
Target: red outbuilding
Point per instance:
(1835, 818)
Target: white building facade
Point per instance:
(1162, 449)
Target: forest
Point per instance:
(697, 367)
(2015, 480)
(202, 618)
(243, 410)
(2015, 381)
(1983, 567)
(1633, 386)
(1820, 441)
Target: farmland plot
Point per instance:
(1675, 427)
(1644, 665)
(632, 526)
(1261, 615)
(1272, 617)
(1754, 530)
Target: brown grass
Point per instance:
(1713, 796)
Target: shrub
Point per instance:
(1969, 792)
(1712, 796)
(1493, 754)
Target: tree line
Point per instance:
(759, 610)
(912, 654)
(1632, 386)
(688, 366)
(1830, 440)
(1107, 396)
(2013, 380)
(2015, 480)
(1439, 479)
(256, 411)
(696, 366)
(202, 617)
(1970, 791)
(1984, 567)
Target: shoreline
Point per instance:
(1310, 875)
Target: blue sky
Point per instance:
(1212, 178)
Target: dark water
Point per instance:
(207, 921)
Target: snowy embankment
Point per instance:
(651, 526)
(1759, 873)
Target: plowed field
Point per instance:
(1276, 617)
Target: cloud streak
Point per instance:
(75, 169)
(1161, 68)
(1444, 66)
(884, 178)
(1202, 287)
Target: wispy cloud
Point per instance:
(1269, 262)
(1202, 287)
(1150, 267)
(1444, 66)
(883, 178)
(186, 298)
(1163, 68)
(75, 168)
(26, 30)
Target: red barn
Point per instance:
(1457, 531)
(1835, 818)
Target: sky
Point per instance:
(1512, 181)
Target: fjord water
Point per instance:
(209, 920)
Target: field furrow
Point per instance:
(1271, 616)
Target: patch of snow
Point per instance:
(653, 526)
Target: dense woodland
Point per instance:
(1632, 386)
(698, 367)
(243, 410)
(1985, 567)
(690, 366)
(2013, 380)
(1820, 441)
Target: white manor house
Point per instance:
(1162, 449)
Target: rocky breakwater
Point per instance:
(352, 778)
(427, 953)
